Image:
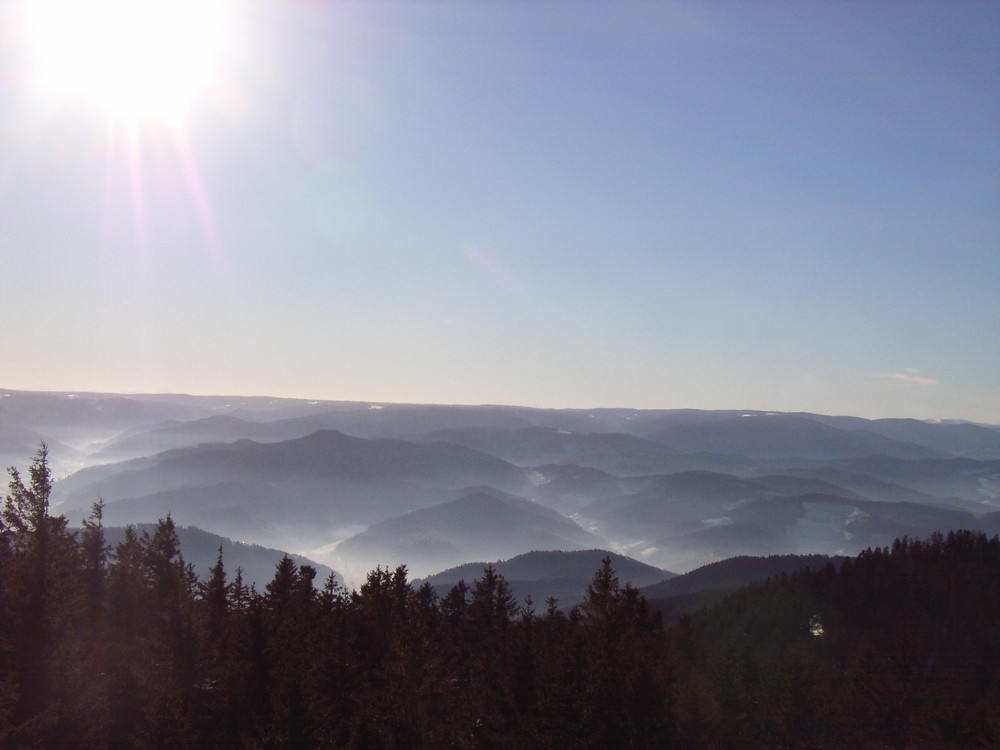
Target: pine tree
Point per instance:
(622, 696)
(490, 614)
(88, 649)
(40, 570)
(129, 608)
(172, 641)
(214, 595)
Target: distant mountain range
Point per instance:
(433, 486)
(783, 436)
(692, 518)
(297, 489)
(612, 451)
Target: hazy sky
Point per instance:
(787, 206)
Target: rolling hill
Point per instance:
(485, 523)
(564, 575)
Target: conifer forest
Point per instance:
(125, 647)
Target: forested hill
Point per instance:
(124, 648)
(897, 648)
(681, 595)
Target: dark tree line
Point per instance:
(127, 648)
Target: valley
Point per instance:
(352, 486)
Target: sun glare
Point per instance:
(136, 59)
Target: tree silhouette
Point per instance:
(126, 649)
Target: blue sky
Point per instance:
(787, 206)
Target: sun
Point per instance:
(136, 59)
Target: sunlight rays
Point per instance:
(144, 66)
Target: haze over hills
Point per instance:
(614, 452)
(692, 518)
(779, 436)
(307, 485)
(959, 438)
(360, 483)
(482, 524)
